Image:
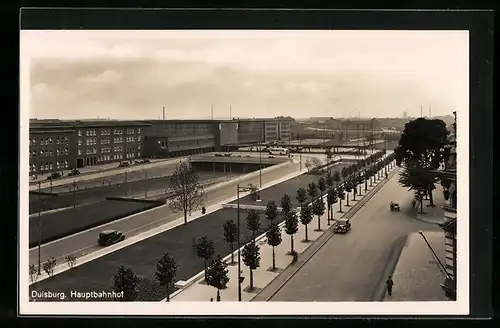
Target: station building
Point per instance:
(58, 145)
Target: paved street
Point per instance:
(146, 172)
(94, 172)
(84, 243)
(97, 194)
(60, 224)
(351, 267)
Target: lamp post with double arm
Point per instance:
(238, 190)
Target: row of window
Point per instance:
(118, 148)
(91, 151)
(133, 139)
(105, 158)
(105, 150)
(106, 132)
(132, 155)
(49, 166)
(49, 141)
(48, 152)
(107, 141)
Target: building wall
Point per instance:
(285, 130)
(180, 138)
(271, 132)
(250, 131)
(156, 147)
(82, 143)
(51, 151)
(106, 144)
(227, 133)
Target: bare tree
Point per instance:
(187, 193)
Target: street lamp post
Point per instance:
(39, 230)
(300, 152)
(146, 185)
(260, 163)
(238, 190)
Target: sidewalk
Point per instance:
(196, 290)
(418, 276)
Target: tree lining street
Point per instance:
(350, 267)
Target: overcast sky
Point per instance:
(132, 74)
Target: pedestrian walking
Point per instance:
(389, 283)
(211, 299)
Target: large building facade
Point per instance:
(175, 138)
(57, 145)
(63, 145)
(51, 148)
(448, 177)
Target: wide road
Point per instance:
(85, 242)
(353, 266)
(90, 195)
(134, 173)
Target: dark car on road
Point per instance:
(73, 172)
(124, 164)
(54, 175)
(110, 237)
(342, 226)
(143, 161)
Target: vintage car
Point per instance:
(73, 172)
(110, 237)
(124, 164)
(54, 175)
(342, 226)
(394, 207)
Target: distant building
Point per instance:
(57, 145)
(405, 115)
(320, 120)
(362, 124)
